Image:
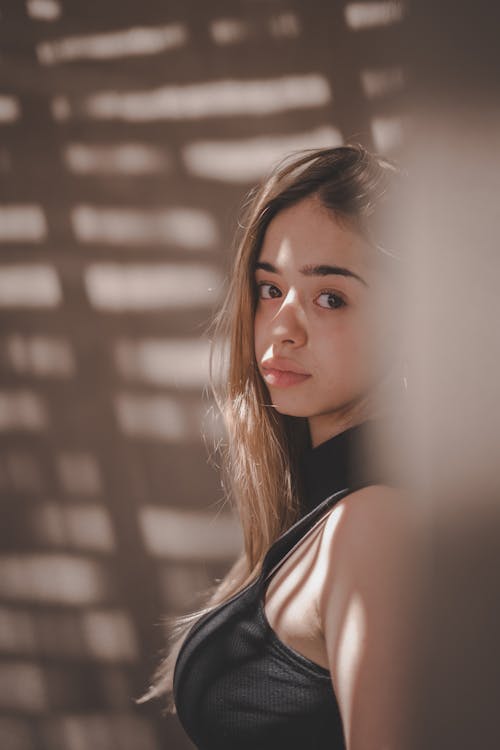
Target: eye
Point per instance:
(332, 300)
(267, 290)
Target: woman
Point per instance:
(305, 642)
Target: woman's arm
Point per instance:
(368, 610)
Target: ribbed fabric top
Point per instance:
(236, 684)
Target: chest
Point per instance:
(238, 685)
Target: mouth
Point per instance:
(283, 378)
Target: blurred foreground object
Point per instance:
(451, 311)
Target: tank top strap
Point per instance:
(292, 537)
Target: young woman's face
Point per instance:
(316, 345)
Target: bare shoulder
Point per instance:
(371, 556)
(371, 542)
(376, 499)
(369, 519)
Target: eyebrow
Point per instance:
(311, 270)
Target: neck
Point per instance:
(325, 426)
(347, 459)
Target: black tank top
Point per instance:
(237, 686)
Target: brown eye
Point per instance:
(268, 291)
(332, 301)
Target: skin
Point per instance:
(323, 324)
(345, 596)
(348, 599)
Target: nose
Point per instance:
(288, 324)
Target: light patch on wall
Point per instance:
(189, 228)
(152, 286)
(285, 25)
(109, 635)
(53, 579)
(246, 160)
(22, 410)
(156, 417)
(60, 108)
(366, 15)
(29, 285)
(42, 356)
(84, 527)
(110, 45)
(380, 82)
(43, 10)
(387, 133)
(10, 111)
(116, 159)
(189, 535)
(22, 223)
(94, 731)
(182, 363)
(23, 687)
(228, 30)
(79, 473)
(226, 98)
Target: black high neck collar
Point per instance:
(344, 460)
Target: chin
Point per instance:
(291, 409)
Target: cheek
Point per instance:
(258, 336)
(347, 352)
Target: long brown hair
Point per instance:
(262, 450)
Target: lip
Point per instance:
(283, 365)
(279, 372)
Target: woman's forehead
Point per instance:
(307, 232)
